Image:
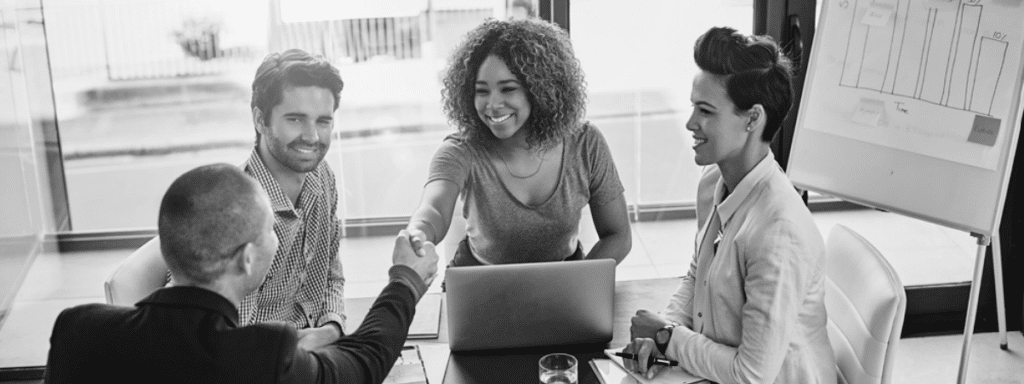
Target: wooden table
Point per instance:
(630, 296)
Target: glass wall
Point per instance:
(26, 126)
(639, 81)
(147, 89)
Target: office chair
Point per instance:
(866, 303)
(141, 273)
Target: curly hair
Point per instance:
(755, 69)
(539, 54)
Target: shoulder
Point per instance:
(588, 135)
(779, 216)
(89, 321)
(325, 174)
(93, 313)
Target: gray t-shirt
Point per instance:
(503, 230)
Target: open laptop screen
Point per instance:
(531, 304)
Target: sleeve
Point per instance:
(451, 162)
(775, 286)
(680, 308)
(605, 184)
(366, 355)
(334, 302)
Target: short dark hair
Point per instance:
(206, 215)
(540, 56)
(291, 68)
(756, 71)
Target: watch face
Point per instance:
(662, 336)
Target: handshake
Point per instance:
(416, 253)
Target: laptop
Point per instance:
(530, 304)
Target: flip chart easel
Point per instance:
(914, 107)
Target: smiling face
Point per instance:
(719, 131)
(298, 133)
(500, 99)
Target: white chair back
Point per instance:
(141, 273)
(866, 303)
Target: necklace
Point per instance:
(535, 172)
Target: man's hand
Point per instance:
(646, 324)
(313, 338)
(645, 350)
(416, 254)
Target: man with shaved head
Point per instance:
(217, 237)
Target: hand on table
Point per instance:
(313, 338)
(646, 324)
(645, 349)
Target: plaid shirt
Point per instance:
(305, 285)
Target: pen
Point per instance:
(651, 360)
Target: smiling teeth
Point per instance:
(697, 141)
(498, 119)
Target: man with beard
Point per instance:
(294, 96)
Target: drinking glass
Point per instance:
(558, 368)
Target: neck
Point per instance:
(289, 180)
(224, 286)
(733, 170)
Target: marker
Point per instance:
(651, 360)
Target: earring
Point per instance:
(750, 128)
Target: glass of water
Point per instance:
(558, 368)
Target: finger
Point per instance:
(402, 241)
(644, 354)
(628, 363)
(653, 371)
(426, 249)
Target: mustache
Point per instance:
(299, 143)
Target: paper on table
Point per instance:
(408, 368)
(425, 325)
(675, 375)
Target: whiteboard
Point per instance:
(913, 106)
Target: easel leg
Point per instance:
(972, 308)
(997, 270)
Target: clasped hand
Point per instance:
(645, 350)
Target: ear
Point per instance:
(247, 258)
(757, 118)
(257, 120)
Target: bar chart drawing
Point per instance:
(926, 50)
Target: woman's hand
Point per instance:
(645, 350)
(646, 324)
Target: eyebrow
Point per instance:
(502, 82)
(303, 115)
(704, 104)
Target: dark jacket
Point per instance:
(191, 335)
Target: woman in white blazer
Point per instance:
(751, 308)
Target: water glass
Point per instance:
(558, 368)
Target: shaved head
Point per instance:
(207, 217)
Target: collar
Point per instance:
(193, 297)
(731, 204)
(312, 187)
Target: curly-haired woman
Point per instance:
(523, 159)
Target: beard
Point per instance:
(289, 155)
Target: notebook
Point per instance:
(425, 324)
(612, 371)
(530, 304)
